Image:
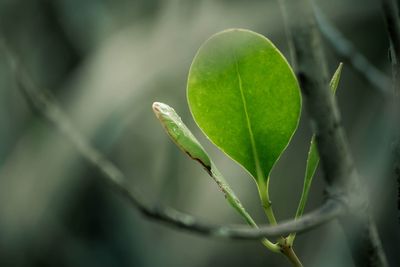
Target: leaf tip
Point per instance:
(159, 108)
(333, 84)
(164, 112)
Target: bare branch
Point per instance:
(330, 210)
(336, 158)
(346, 50)
(45, 105)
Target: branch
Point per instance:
(337, 162)
(391, 16)
(346, 50)
(45, 105)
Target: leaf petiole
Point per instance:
(263, 191)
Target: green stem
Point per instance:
(291, 255)
(269, 245)
(283, 244)
(291, 238)
(310, 171)
(265, 200)
(287, 250)
(237, 205)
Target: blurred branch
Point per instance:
(45, 105)
(392, 20)
(346, 50)
(391, 16)
(337, 162)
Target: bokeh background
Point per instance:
(106, 62)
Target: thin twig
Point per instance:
(349, 54)
(336, 158)
(45, 105)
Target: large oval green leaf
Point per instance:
(245, 97)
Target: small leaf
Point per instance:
(180, 134)
(245, 98)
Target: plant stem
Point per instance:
(291, 255)
(237, 205)
(269, 245)
(287, 250)
(265, 200)
(284, 246)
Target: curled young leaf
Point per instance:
(180, 134)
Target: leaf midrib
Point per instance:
(252, 141)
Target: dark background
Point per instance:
(106, 62)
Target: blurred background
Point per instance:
(106, 62)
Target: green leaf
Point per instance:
(313, 158)
(245, 97)
(180, 134)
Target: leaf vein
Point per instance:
(252, 141)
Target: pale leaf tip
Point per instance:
(157, 107)
(161, 109)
